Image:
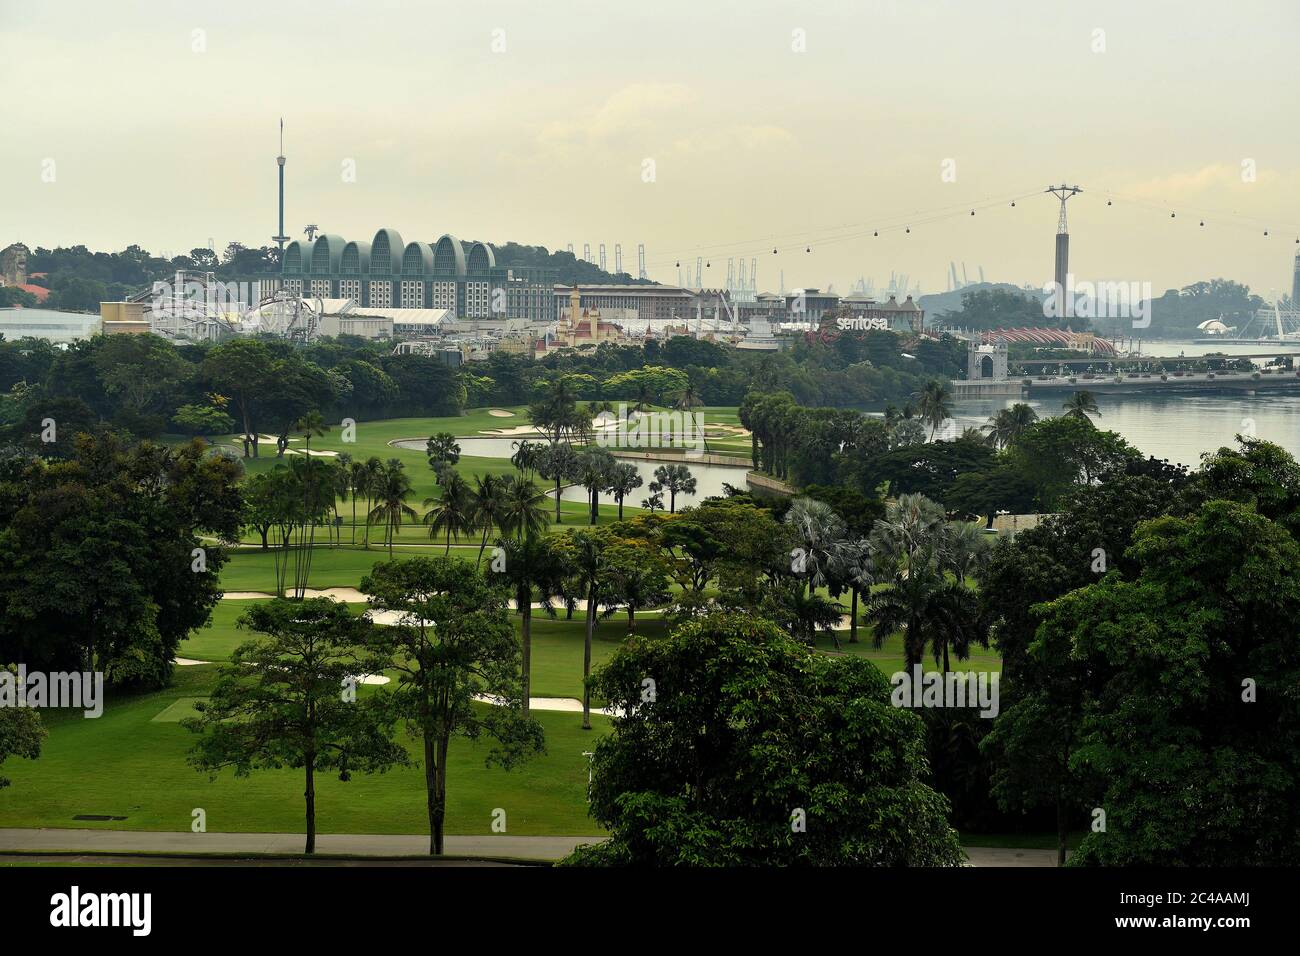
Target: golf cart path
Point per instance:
(368, 844)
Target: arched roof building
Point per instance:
(387, 272)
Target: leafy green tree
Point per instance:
(242, 369)
(202, 420)
(284, 701)
(452, 644)
(1034, 738)
(746, 749)
(103, 559)
(1211, 680)
(21, 734)
(638, 576)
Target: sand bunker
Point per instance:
(568, 705)
(348, 595)
(500, 413)
(510, 432)
(390, 618)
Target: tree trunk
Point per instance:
(853, 619)
(310, 795)
(672, 502)
(265, 531)
(631, 619)
(525, 603)
(586, 660)
(440, 793)
(1060, 828)
(557, 501)
(620, 507)
(436, 812)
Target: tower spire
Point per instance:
(280, 238)
(1064, 305)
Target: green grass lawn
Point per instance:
(131, 762)
(373, 438)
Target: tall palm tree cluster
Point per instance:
(912, 572)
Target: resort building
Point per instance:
(388, 273)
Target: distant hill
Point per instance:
(570, 270)
(938, 303)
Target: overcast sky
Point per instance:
(767, 124)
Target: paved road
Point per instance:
(368, 844)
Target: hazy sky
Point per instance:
(768, 123)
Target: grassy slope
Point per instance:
(127, 764)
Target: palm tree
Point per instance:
(527, 456)
(802, 613)
(357, 474)
(559, 463)
(623, 480)
(854, 563)
(914, 548)
(487, 507)
(390, 491)
(1005, 428)
(1082, 405)
(644, 396)
(966, 550)
(687, 397)
(310, 425)
(453, 513)
(523, 508)
(342, 475)
(674, 479)
(817, 528)
(586, 561)
(594, 466)
(934, 404)
(373, 474)
(531, 568)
